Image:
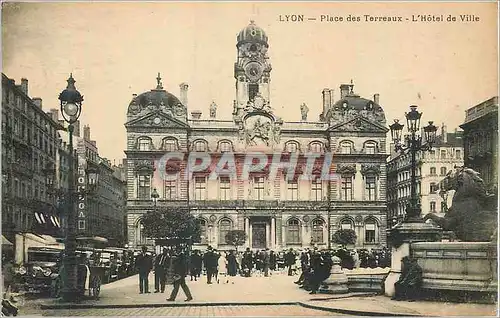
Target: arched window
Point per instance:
(346, 224)
(293, 232)
(316, 147)
(442, 172)
(370, 147)
(140, 238)
(224, 228)
(292, 146)
(317, 231)
(433, 171)
(346, 147)
(144, 143)
(370, 231)
(225, 146)
(203, 231)
(170, 144)
(200, 145)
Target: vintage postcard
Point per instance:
(249, 158)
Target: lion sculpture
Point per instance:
(473, 213)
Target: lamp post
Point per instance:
(413, 228)
(71, 108)
(413, 143)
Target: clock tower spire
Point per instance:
(252, 68)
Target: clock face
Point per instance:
(157, 120)
(253, 71)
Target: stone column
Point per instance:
(268, 236)
(273, 233)
(304, 237)
(250, 236)
(247, 232)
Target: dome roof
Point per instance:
(252, 33)
(157, 98)
(357, 103)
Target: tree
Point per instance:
(236, 238)
(344, 237)
(172, 224)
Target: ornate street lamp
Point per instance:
(92, 177)
(413, 143)
(71, 108)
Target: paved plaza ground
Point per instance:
(253, 296)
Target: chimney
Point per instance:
(184, 91)
(24, 85)
(327, 100)
(376, 99)
(37, 101)
(444, 133)
(86, 132)
(196, 114)
(76, 131)
(54, 113)
(344, 90)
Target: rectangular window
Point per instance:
(433, 188)
(292, 190)
(432, 154)
(81, 224)
(443, 154)
(370, 149)
(317, 190)
(144, 189)
(144, 144)
(169, 192)
(346, 193)
(433, 206)
(370, 233)
(458, 154)
(370, 183)
(225, 188)
(346, 148)
(200, 187)
(258, 188)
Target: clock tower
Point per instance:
(252, 69)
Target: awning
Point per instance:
(49, 239)
(6, 242)
(35, 238)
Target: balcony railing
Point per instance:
(234, 204)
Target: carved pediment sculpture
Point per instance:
(344, 169)
(370, 168)
(144, 165)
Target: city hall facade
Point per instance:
(284, 211)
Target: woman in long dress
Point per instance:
(222, 267)
(232, 266)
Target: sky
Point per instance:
(117, 49)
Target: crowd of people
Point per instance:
(173, 265)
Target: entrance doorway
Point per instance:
(259, 235)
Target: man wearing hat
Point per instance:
(144, 264)
(210, 261)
